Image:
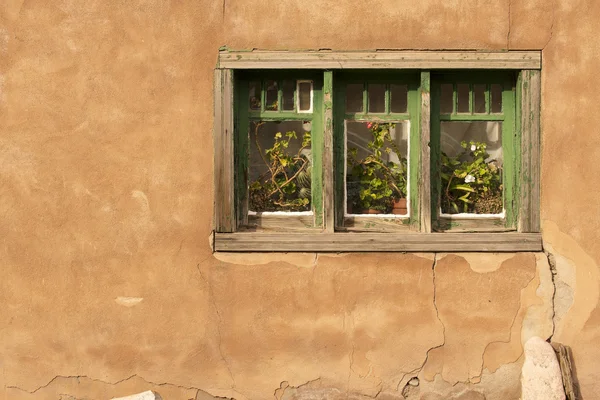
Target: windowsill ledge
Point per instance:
(377, 242)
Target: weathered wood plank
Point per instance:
(529, 216)
(424, 189)
(278, 223)
(374, 224)
(328, 179)
(379, 242)
(388, 59)
(564, 356)
(224, 210)
(471, 225)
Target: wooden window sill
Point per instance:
(377, 242)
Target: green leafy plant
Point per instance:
(286, 185)
(471, 183)
(374, 183)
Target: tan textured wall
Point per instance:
(107, 283)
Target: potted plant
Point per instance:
(377, 186)
(286, 184)
(471, 181)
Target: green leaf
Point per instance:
(464, 188)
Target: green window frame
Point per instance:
(506, 82)
(244, 116)
(329, 228)
(409, 79)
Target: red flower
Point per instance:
(369, 125)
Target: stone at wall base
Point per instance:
(541, 378)
(148, 395)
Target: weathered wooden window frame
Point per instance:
(410, 79)
(525, 238)
(243, 118)
(511, 139)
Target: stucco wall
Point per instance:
(108, 284)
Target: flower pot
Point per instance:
(370, 211)
(399, 207)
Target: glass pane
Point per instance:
(288, 89)
(399, 100)
(254, 95)
(376, 98)
(471, 167)
(271, 96)
(354, 97)
(447, 99)
(304, 96)
(479, 99)
(279, 166)
(462, 94)
(376, 174)
(496, 94)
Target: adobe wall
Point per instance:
(108, 285)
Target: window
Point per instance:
(380, 151)
(473, 160)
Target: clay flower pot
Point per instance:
(370, 211)
(399, 207)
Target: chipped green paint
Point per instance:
(317, 153)
(409, 78)
(243, 117)
(511, 135)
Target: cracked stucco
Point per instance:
(292, 323)
(106, 193)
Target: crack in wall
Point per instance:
(417, 370)
(553, 272)
(220, 321)
(551, 25)
(437, 312)
(78, 377)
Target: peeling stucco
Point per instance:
(109, 285)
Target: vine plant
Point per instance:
(286, 184)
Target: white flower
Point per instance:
(469, 179)
(473, 147)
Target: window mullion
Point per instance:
(423, 193)
(328, 156)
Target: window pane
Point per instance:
(376, 173)
(354, 97)
(288, 89)
(471, 167)
(462, 94)
(496, 94)
(254, 95)
(479, 99)
(376, 98)
(279, 166)
(447, 99)
(399, 100)
(304, 96)
(271, 96)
